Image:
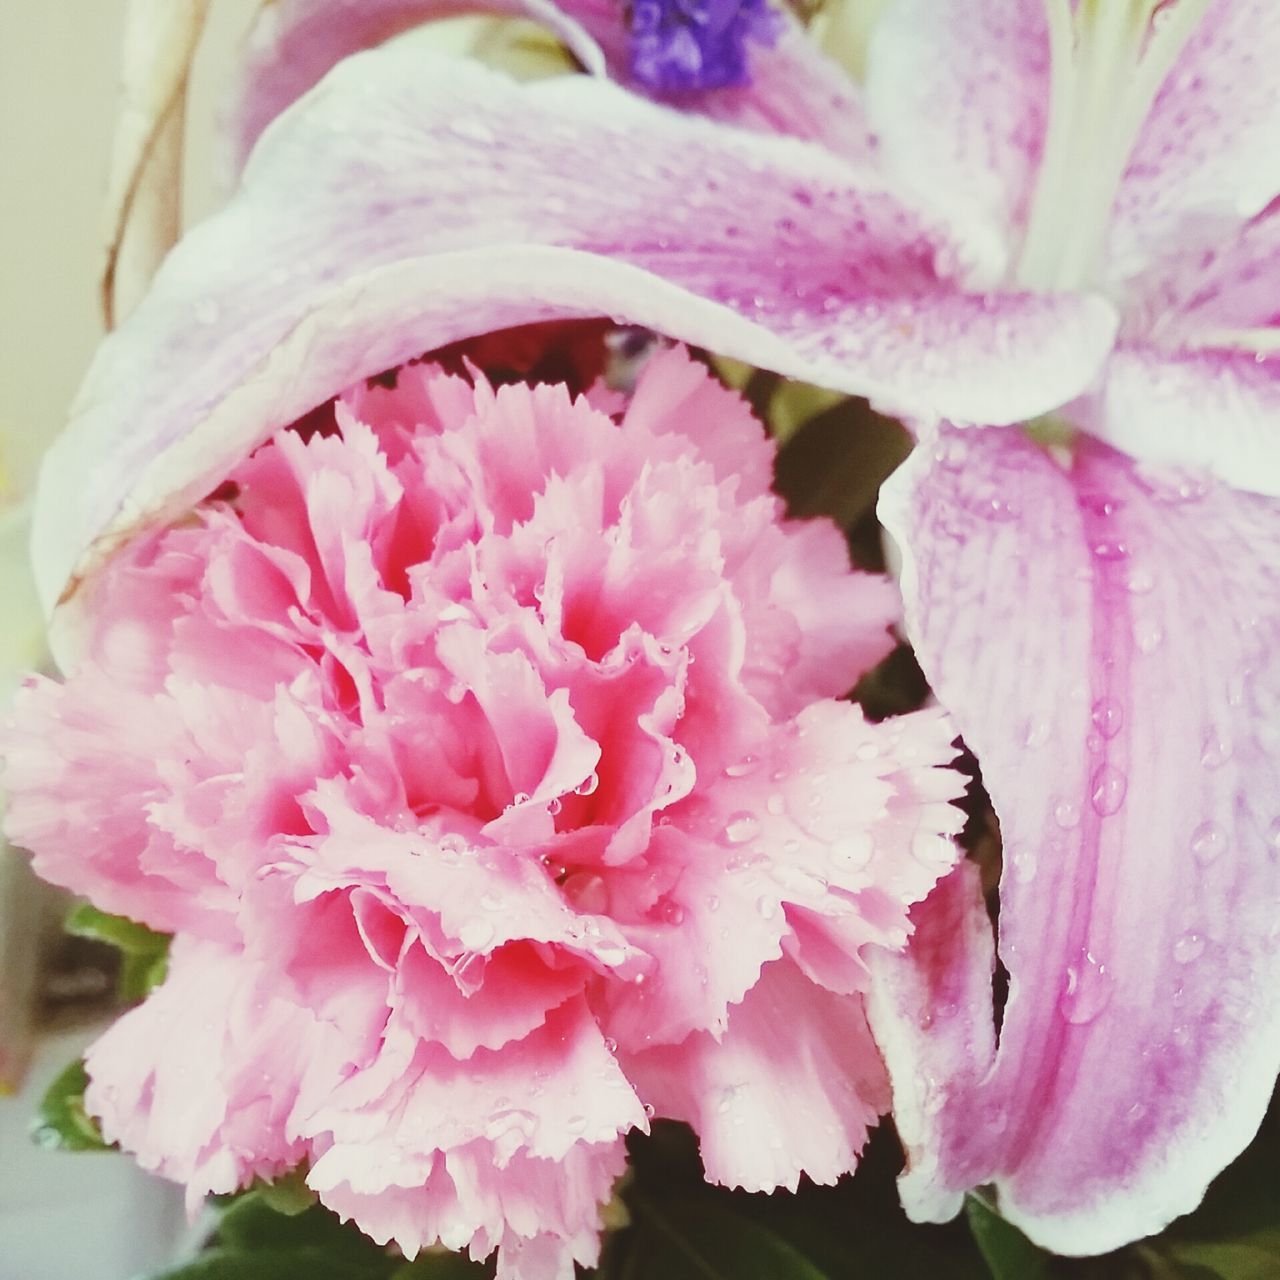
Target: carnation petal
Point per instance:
(753, 1134)
(1140, 1042)
(162, 1083)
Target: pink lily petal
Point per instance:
(453, 201)
(795, 89)
(958, 95)
(1134, 621)
(752, 1135)
(1207, 154)
(1216, 410)
(929, 1009)
(294, 44)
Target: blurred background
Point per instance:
(91, 1216)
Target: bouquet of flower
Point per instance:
(621, 625)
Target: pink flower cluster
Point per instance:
(482, 749)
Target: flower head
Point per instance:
(696, 44)
(481, 747)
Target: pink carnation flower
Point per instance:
(482, 750)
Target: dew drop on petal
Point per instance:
(741, 827)
(1110, 549)
(1109, 788)
(1066, 813)
(672, 912)
(1189, 947)
(588, 785)
(1148, 635)
(1108, 717)
(1086, 991)
(1208, 842)
(476, 934)
(747, 765)
(1215, 752)
(853, 851)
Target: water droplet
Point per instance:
(1108, 717)
(1036, 733)
(1208, 842)
(1273, 835)
(1216, 751)
(867, 751)
(767, 907)
(476, 934)
(588, 785)
(1189, 947)
(713, 903)
(672, 912)
(741, 827)
(1025, 866)
(951, 453)
(774, 805)
(1066, 813)
(745, 766)
(1110, 549)
(554, 806)
(1109, 788)
(853, 851)
(520, 797)
(1148, 635)
(1087, 989)
(610, 1045)
(1140, 582)
(576, 1124)
(451, 845)
(650, 1110)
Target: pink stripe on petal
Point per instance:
(452, 202)
(930, 1012)
(958, 95)
(1207, 153)
(1214, 409)
(1105, 641)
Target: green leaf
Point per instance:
(145, 952)
(61, 1123)
(701, 1239)
(1008, 1253)
(250, 1224)
(304, 1263)
(288, 1195)
(440, 1265)
(85, 921)
(1255, 1257)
